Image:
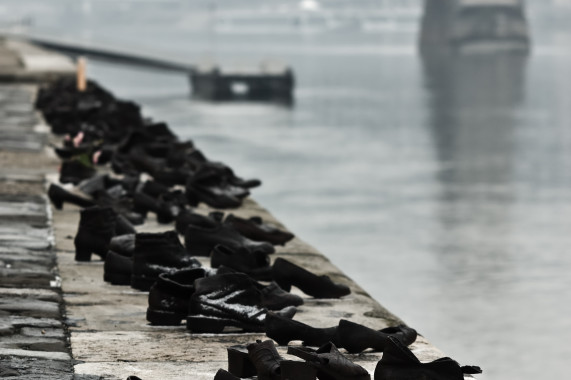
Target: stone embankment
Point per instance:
(60, 320)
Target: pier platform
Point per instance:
(60, 320)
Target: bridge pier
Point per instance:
(474, 25)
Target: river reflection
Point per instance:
(498, 187)
(473, 105)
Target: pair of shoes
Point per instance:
(169, 296)
(399, 363)
(139, 259)
(263, 360)
(253, 228)
(273, 297)
(256, 229)
(211, 185)
(348, 335)
(228, 300)
(287, 274)
(202, 234)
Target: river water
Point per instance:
(442, 186)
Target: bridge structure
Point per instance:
(474, 25)
(270, 81)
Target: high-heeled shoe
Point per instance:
(357, 338)
(330, 363)
(286, 274)
(58, 196)
(266, 359)
(284, 330)
(263, 360)
(399, 363)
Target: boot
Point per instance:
(169, 296)
(96, 228)
(157, 253)
(263, 360)
(331, 364)
(266, 359)
(118, 268)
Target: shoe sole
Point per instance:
(117, 278)
(164, 318)
(204, 324)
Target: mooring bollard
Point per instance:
(81, 74)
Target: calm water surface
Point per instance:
(442, 186)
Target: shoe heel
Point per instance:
(292, 370)
(54, 197)
(201, 325)
(117, 278)
(163, 318)
(82, 254)
(58, 203)
(239, 363)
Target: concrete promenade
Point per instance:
(60, 320)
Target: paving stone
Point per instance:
(26, 261)
(30, 308)
(16, 278)
(33, 213)
(17, 322)
(153, 370)
(38, 369)
(6, 329)
(37, 294)
(45, 332)
(18, 341)
(63, 356)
